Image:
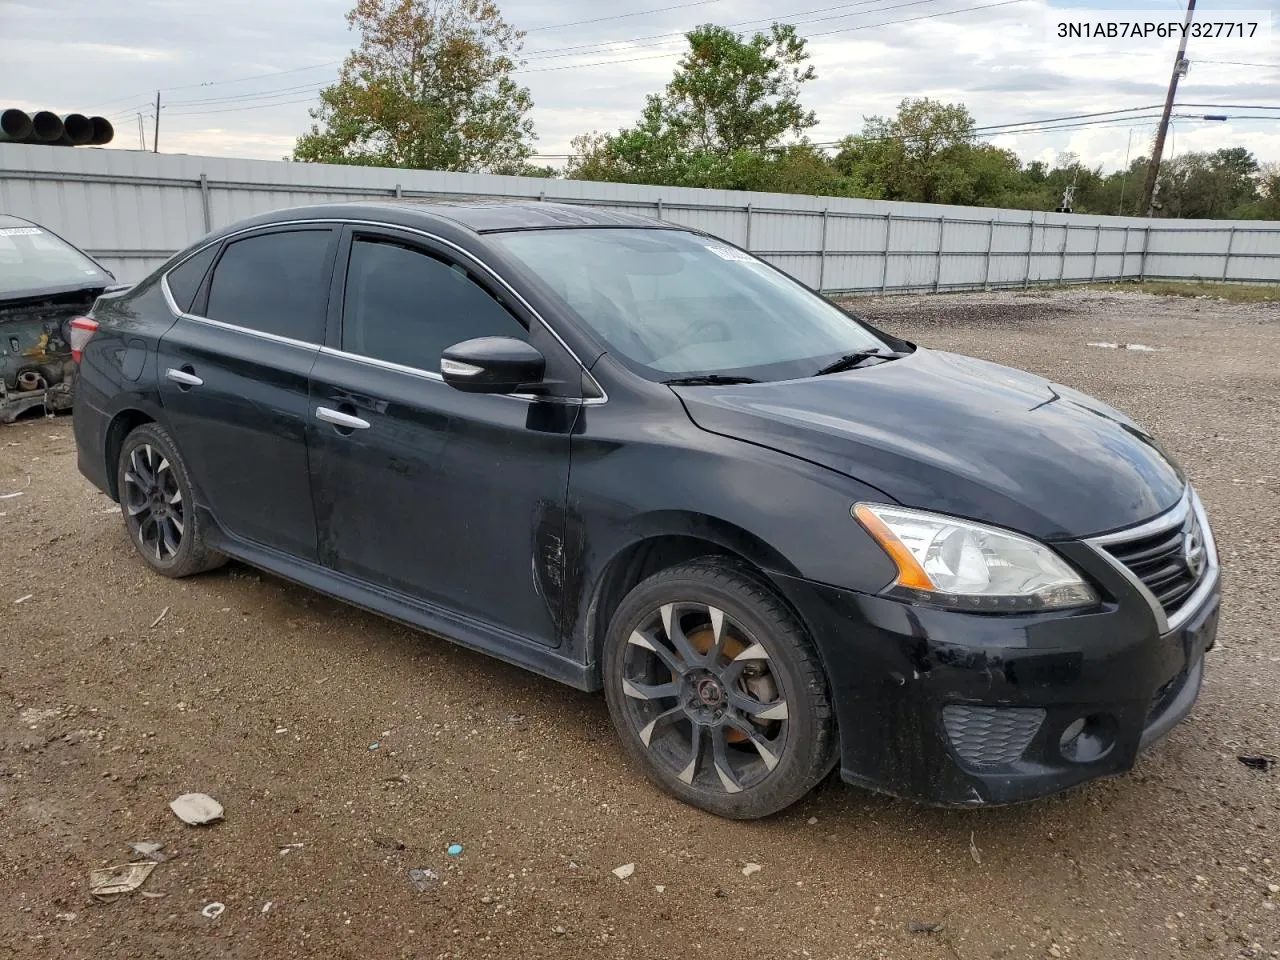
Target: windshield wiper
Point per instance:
(708, 380)
(851, 360)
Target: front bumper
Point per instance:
(960, 709)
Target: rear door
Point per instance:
(450, 498)
(234, 381)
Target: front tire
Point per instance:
(717, 692)
(159, 511)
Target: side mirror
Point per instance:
(493, 365)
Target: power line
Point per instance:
(1023, 123)
(252, 96)
(1112, 124)
(252, 106)
(601, 46)
(928, 16)
(865, 26)
(1241, 63)
(215, 83)
(269, 94)
(623, 16)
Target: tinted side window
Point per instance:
(406, 307)
(276, 283)
(184, 279)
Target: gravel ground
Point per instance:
(270, 698)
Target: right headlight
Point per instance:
(964, 565)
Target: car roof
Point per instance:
(486, 216)
(475, 216)
(9, 220)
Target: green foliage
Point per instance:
(1267, 205)
(702, 133)
(721, 122)
(928, 153)
(429, 87)
(1208, 185)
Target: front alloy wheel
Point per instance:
(692, 681)
(717, 691)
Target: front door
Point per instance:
(233, 383)
(455, 500)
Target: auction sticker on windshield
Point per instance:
(729, 253)
(20, 231)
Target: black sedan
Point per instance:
(44, 283)
(627, 455)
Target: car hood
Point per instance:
(945, 432)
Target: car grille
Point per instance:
(1169, 562)
(991, 735)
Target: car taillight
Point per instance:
(82, 329)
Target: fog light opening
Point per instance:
(1086, 739)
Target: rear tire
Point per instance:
(717, 692)
(156, 501)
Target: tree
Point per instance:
(1267, 206)
(429, 87)
(1208, 185)
(726, 113)
(928, 153)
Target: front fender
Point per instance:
(782, 514)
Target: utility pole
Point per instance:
(155, 138)
(1125, 179)
(1180, 67)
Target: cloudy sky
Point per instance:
(237, 76)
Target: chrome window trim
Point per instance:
(438, 378)
(1169, 520)
(493, 274)
(1175, 516)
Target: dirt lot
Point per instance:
(271, 698)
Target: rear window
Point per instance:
(34, 261)
(276, 283)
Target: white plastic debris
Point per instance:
(624, 871)
(751, 868)
(24, 599)
(423, 878)
(266, 907)
(213, 910)
(149, 850)
(119, 879)
(1139, 347)
(196, 808)
(163, 613)
(10, 496)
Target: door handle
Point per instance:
(339, 419)
(183, 378)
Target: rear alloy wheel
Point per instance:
(717, 692)
(155, 498)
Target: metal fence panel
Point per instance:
(133, 209)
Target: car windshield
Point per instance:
(33, 261)
(675, 304)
